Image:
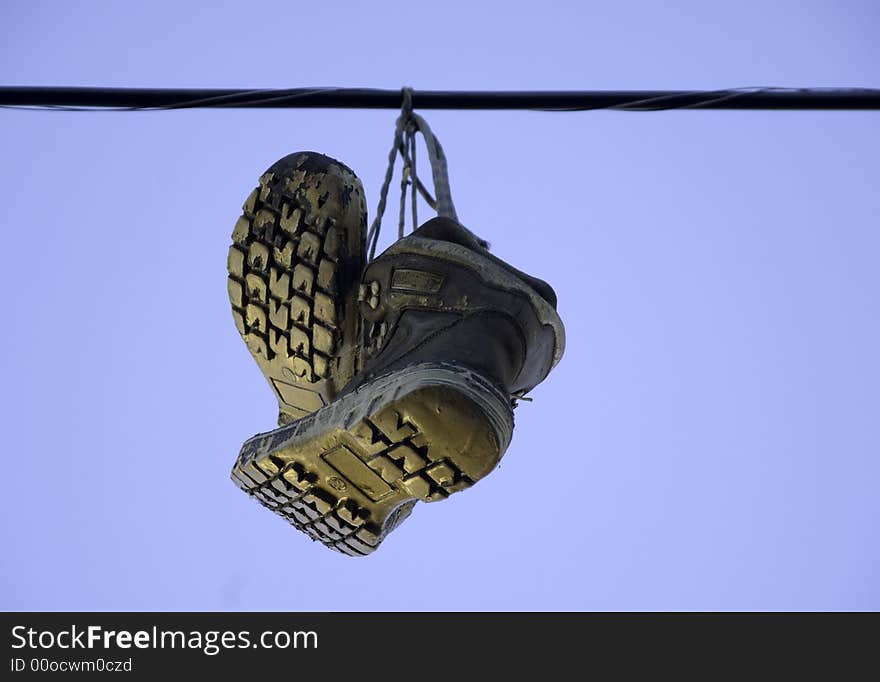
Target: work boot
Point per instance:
(452, 337)
(297, 256)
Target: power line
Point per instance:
(146, 99)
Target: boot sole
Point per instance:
(294, 264)
(350, 473)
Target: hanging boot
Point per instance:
(294, 266)
(452, 337)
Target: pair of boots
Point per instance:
(396, 378)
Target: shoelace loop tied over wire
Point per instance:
(408, 124)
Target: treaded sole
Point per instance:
(294, 264)
(351, 472)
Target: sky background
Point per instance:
(711, 439)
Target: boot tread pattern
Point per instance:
(315, 501)
(349, 473)
(286, 269)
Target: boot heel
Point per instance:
(348, 474)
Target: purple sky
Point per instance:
(711, 439)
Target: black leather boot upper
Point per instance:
(446, 229)
(438, 295)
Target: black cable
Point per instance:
(150, 99)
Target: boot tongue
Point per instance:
(448, 230)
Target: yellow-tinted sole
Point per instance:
(351, 473)
(294, 266)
